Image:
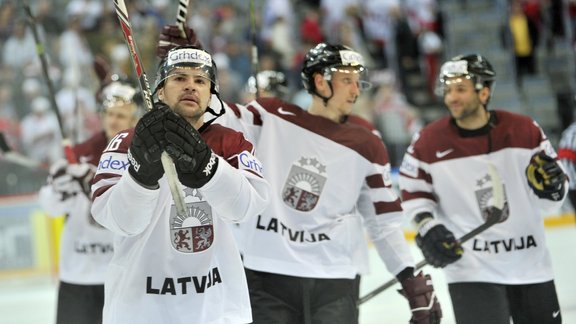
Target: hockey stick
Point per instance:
(14, 157)
(493, 218)
(181, 15)
(66, 142)
(167, 163)
(254, 48)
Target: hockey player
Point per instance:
(270, 84)
(168, 267)
(567, 154)
(303, 255)
(506, 271)
(85, 247)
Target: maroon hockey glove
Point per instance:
(147, 146)
(545, 177)
(71, 179)
(171, 37)
(422, 299)
(103, 71)
(194, 160)
(438, 244)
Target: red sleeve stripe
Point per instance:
(567, 154)
(98, 192)
(387, 207)
(407, 195)
(375, 181)
(422, 175)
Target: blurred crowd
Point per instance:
(394, 35)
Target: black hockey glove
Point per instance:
(438, 244)
(147, 146)
(422, 299)
(194, 160)
(71, 179)
(171, 37)
(545, 177)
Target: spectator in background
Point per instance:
(393, 116)
(77, 106)
(7, 19)
(41, 137)
(73, 49)
(88, 12)
(333, 13)
(310, 30)
(378, 24)
(278, 29)
(19, 51)
(521, 35)
(8, 120)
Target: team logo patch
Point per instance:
(304, 184)
(193, 232)
(485, 196)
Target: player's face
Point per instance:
(463, 101)
(346, 89)
(187, 92)
(118, 117)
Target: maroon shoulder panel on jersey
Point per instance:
(118, 144)
(441, 140)
(91, 150)
(354, 135)
(226, 142)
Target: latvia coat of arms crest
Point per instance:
(304, 184)
(193, 232)
(485, 197)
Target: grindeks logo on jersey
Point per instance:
(193, 232)
(247, 161)
(304, 184)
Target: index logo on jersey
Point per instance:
(189, 55)
(114, 163)
(351, 58)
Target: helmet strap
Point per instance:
(325, 99)
(210, 110)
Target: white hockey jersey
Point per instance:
(327, 182)
(446, 172)
(172, 269)
(567, 153)
(86, 247)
